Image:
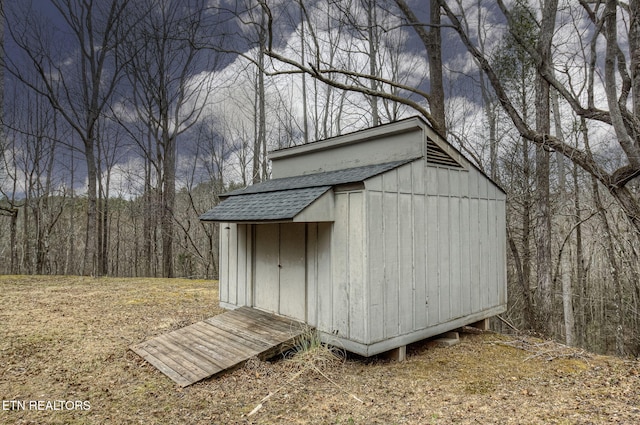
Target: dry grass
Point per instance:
(67, 338)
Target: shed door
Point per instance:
(280, 277)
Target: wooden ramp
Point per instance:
(219, 343)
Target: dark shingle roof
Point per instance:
(264, 206)
(327, 178)
(284, 198)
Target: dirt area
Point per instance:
(64, 359)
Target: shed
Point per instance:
(377, 238)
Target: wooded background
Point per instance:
(124, 119)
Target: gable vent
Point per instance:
(437, 156)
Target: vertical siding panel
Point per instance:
(405, 251)
(466, 272)
(234, 262)
(292, 271)
(443, 182)
(356, 276)
(404, 179)
(390, 181)
(325, 284)
(502, 255)
(223, 279)
(473, 180)
(455, 257)
(374, 183)
(444, 262)
(312, 274)
(340, 261)
(454, 183)
(267, 276)
(431, 180)
(418, 171)
(483, 186)
(492, 254)
(242, 265)
(474, 247)
(390, 246)
(485, 255)
(433, 283)
(420, 261)
(248, 281)
(376, 263)
(464, 183)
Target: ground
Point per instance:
(67, 338)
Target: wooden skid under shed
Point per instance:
(219, 343)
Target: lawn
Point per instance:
(65, 359)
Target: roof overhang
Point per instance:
(312, 204)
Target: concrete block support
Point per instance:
(397, 354)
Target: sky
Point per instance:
(227, 123)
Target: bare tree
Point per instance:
(617, 116)
(9, 203)
(77, 75)
(164, 55)
(354, 80)
(585, 71)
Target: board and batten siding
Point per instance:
(348, 259)
(236, 265)
(450, 223)
(319, 275)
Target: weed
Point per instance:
(310, 351)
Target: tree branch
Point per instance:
(545, 140)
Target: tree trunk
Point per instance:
(168, 205)
(564, 265)
(581, 275)
(259, 171)
(89, 263)
(104, 245)
(71, 242)
(615, 270)
(373, 63)
(305, 112)
(99, 212)
(543, 200)
(432, 41)
(527, 206)
(628, 203)
(522, 280)
(26, 239)
(13, 231)
(567, 303)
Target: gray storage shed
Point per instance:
(377, 238)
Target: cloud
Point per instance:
(126, 178)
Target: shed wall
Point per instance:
(436, 248)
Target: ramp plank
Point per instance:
(220, 343)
